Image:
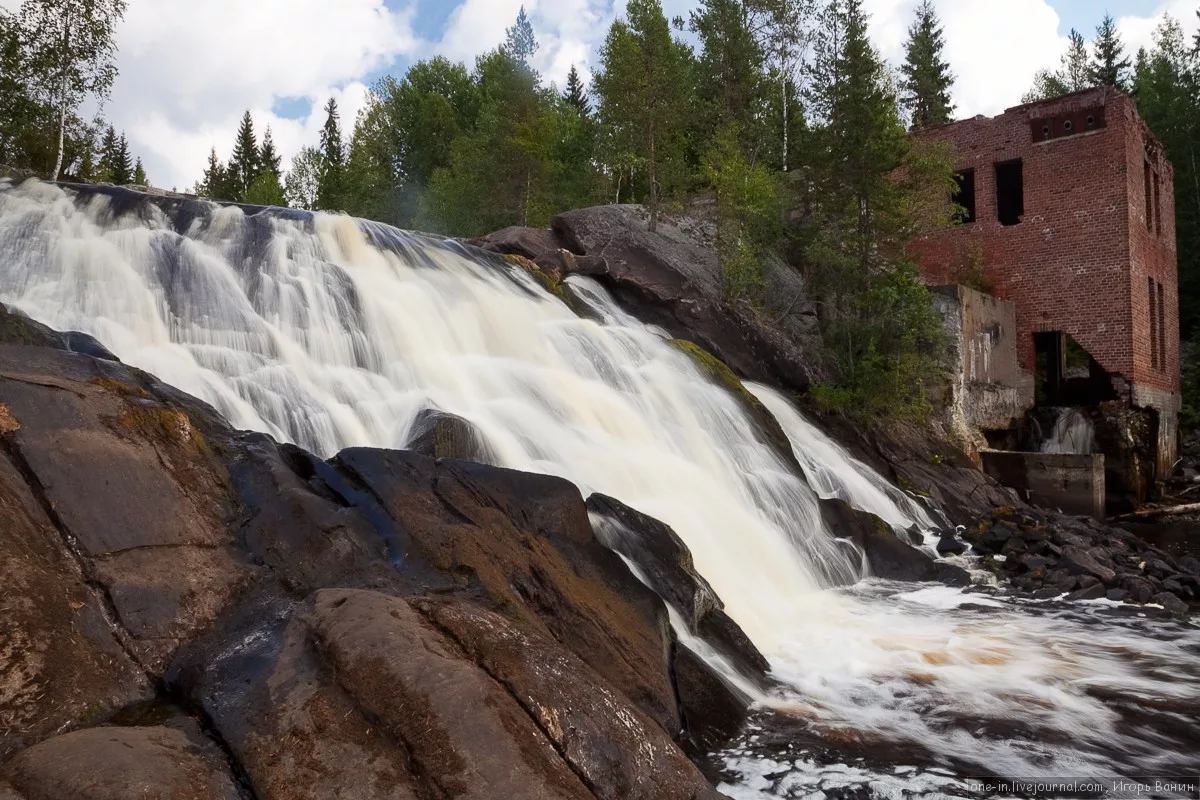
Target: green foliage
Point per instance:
(729, 77)
(642, 86)
(927, 78)
(245, 164)
(890, 349)
(70, 55)
(331, 185)
(576, 94)
(266, 190)
(520, 43)
(139, 175)
(303, 179)
(268, 156)
(1073, 74)
(1109, 67)
(749, 215)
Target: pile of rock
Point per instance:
(1046, 555)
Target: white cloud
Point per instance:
(190, 68)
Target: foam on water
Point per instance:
(332, 332)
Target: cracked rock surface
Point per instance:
(190, 611)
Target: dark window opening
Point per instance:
(1050, 380)
(1157, 206)
(964, 196)
(1162, 332)
(1149, 199)
(1010, 192)
(1153, 323)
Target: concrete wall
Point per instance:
(1072, 483)
(990, 390)
(1168, 406)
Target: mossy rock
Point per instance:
(551, 282)
(716, 369)
(18, 329)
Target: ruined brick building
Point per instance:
(1070, 216)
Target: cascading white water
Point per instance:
(1073, 434)
(833, 472)
(330, 333)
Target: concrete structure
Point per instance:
(990, 391)
(1074, 484)
(1071, 217)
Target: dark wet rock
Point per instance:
(604, 739)
(949, 545)
(88, 345)
(525, 242)
(1082, 563)
(120, 763)
(16, 328)
(1071, 554)
(1172, 604)
(1093, 592)
(440, 435)
(714, 710)
(952, 575)
(158, 557)
(887, 555)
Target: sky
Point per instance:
(190, 68)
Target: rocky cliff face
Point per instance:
(194, 612)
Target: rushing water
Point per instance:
(1073, 433)
(332, 332)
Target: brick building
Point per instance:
(1071, 216)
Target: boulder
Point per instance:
(518, 241)
(949, 545)
(606, 741)
(887, 555)
(440, 435)
(157, 763)
(464, 731)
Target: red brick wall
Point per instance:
(1080, 258)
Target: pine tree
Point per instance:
(642, 96)
(245, 164)
(333, 161)
(1107, 67)
(139, 174)
(108, 156)
(927, 78)
(782, 29)
(520, 43)
(212, 183)
(576, 94)
(268, 156)
(266, 190)
(123, 163)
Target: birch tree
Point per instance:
(71, 53)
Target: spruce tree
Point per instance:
(108, 156)
(1108, 67)
(520, 44)
(333, 161)
(268, 156)
(123, 164)
(1073, 74)
(244, 164)
(925, 88)
(139, 174)
(576, 94)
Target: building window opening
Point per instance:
(964, 196)
(1157, 206)
(1162, 331)
(1153, 292)
(1010, 192)
(1149, 198)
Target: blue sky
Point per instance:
(190, 68)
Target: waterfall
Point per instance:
(1073, 434)
(331, 332)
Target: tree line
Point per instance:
(55, 54)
